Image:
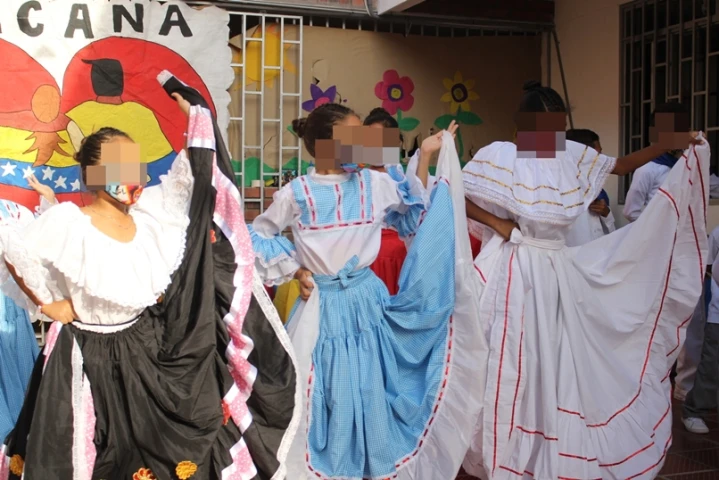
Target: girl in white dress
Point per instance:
(582, 340)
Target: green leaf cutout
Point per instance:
(443, 122)
(468, 118)
(407, 124)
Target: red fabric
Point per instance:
(476, 246)
(270, 292)
(392, 253)
(388, 264)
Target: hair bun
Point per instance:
(298, 125)
(378, 111)
(532, 85)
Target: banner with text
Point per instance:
(68, 69)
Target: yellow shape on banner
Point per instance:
(253, 58)
(459, 93)
(132, 118)
(15, 143)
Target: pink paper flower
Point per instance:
(395, 92)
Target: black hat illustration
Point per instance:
(107, 77)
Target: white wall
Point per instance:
(588, 33)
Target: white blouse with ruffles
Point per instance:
(63, 255)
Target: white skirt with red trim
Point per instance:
(582, 341)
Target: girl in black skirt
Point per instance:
(167, 359)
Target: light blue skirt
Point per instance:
(380, 361)
(18, 352)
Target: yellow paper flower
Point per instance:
(459, 93)
(185, 470)
(17, 464)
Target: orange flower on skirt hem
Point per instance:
(17, 465)
(144, 474)
(185, 470)
(226, 414)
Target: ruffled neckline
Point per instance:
(130, 274)
(88, 218)
(549, 190)
(331, 179)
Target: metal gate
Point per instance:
(266, 97)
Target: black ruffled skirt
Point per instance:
(194, 388)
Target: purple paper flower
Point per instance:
(319, 97)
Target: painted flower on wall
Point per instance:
(319, 97)
(395, 92)
(458, 96)
(459, 93)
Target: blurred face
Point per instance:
(670, 130)
(541, 135)
(354, 145)
(379, 125)
(597, 146)
(121, 173)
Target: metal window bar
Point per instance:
(690, 20)
(275, 118)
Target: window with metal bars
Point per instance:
(669, 52)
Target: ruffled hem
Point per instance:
(275, 258)
(549, 190)
(629, 445)
(407, 222)
(27, 267)
(228, 216)
(415, 186)
(271, 251)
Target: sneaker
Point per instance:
(695, 425)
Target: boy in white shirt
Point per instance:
(647, 179)
(598, 220)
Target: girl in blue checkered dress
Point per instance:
(388, 383)
(18, 345)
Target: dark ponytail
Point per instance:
(91, 147)
(319, 124)
(539, 99)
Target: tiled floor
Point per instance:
(691, 457)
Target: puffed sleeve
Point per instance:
(402, 205)
(19, 248)
(592, 168)
(274, 253)
(412, 177)
(44, 206)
